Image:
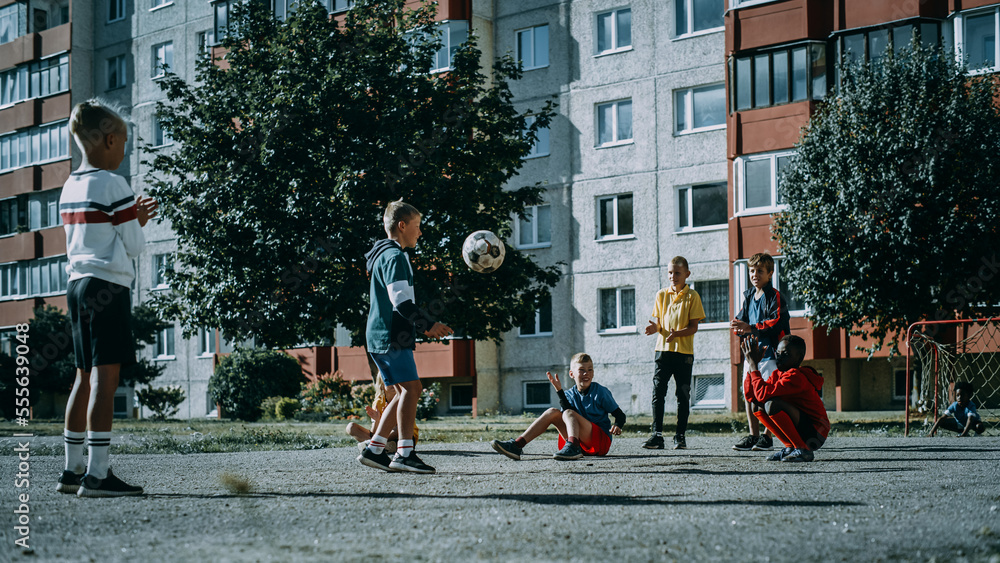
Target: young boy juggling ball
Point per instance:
(393, 322)
(961, 415)
(788, 403)
(103, 222)
(764, 315)
(582, 419)
(677, 310)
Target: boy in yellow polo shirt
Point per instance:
(677, 311)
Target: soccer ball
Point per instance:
(483, 251)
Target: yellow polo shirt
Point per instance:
(674, 311)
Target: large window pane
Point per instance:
(793, 300)
(609, 309)
(781, 77)
(541, 47)
(681, 17)
(682, 208)
(715, 300)
(709, 205)
(628, 307)
(544, 224)
(624, 215)
(604, 30)
(930, 34)
(761, 81)
(980, 41)
(854, 48)
(878, 44)
(607, 211)
(799, 74)
(902, 35)
(624, 121)
(680, 109)
(708, 14)
(526, 229)
(743, 76)
(818, 54)
(624, 25)
(545, 316)
(605, 120)
(758, 183)
(709, 106)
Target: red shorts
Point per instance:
(599, 444)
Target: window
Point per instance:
(460, 396)
(614, 123)
(698, 15)
(160, 3)
(163, 58)
(614, 217)
(899, 384)
(541, 146)
(120, 404)
(614, 31)
(162, 263)
(204, 42)
(978, 40)
(533, 47)
(43, 78)
(792, 74)
(206, 341)
(702, 206)
(617, 310)
(339, 5)
(535, 229)
(9, 219)
(539, 323)
(700, 109)
(708, 392)
(165, 343)
(870, 45)
(537, 394)
(116, 10)
(758, 182)
(453, 34)
(33, 278)
(796, 306)
(160, 138)
(13, 21)
(714, 299)
(34, 146)
(220, 19)
(43, 210)
(116, 72)
(14, 85)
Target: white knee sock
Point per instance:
(377, 444)
(405, 448)
(74, 451)
(98, 444)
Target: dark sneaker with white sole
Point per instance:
(376, 461)
(654, 443)
(746, 444)
(69, 482)
(780, 454)
(508, 448)
(410, 463)
(798, 455)
(764, 443)
(569, 452)
(110, 486)
(680, 443)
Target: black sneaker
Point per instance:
(110, 486)
(69, 482)
(410, 463)
(746, 444)
(508, 448)
(798, 455)
(780, 454)
(764, 443)
(377, 461)
(569, 452)
(679, 442)
(654, 443)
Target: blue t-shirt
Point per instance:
(961, 413)
(595, 405)
(758, 314)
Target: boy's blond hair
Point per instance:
(680, 261)
(580, 358)
(91, 121)
(398, 211)
(762, 258)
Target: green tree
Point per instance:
(894, 198)
(243, 379)
(286, 158)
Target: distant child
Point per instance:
(393, 322)
(581, 419)
(383, 395)
(677, 310)
(103, 222)
(764, 315)
(961, 416)
(787, 403)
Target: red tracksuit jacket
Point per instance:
(798, 386)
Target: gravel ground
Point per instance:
(863, 499)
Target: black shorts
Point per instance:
(100, 313)
(808, 432)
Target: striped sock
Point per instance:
(405, 448)
(98, 444)
(377, 444)
(74, 451)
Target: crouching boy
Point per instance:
(581, 419)
(787, 403)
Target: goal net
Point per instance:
(946, 352)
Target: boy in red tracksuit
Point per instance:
(788, 403)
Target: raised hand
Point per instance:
(652, 328)
(752, 350)
(146, 208)
(554, 380)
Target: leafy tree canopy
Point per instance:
(287, 157)
(894, 198)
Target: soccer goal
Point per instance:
(941, 353)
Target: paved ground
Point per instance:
(863, 499)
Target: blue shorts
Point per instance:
(396, 367)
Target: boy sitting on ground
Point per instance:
(582, 419)
(787, 403)
(961, 416)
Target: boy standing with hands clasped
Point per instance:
(764, 316)
(103, 222)
(677, 310)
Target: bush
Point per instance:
(429, 399)
(329, 396)
(163, 401)
(268, 408)
(243, 379)
(286, 408)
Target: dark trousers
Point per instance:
(679, 366)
